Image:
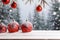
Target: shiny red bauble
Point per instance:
(26, 27)
(14, 5)
(13, 27)
(38, 8)
(6, 1)
(3, 28)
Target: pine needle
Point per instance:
(43, 2)
(28, 1)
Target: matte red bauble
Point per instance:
(13, 27)
(38, 8)
(3, 28)
(26, 27)
(6, 1)
(14, 5)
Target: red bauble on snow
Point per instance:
(26, 27)
(5, 1)
(3, 28)
(38, 8)
(13, 27)
(14, 5)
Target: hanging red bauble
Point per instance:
(38, 8)
(14, 5)
(26, 27)
(3, 28)
(5, 1)
(13, 27)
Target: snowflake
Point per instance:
(54, 13)
(59, 8)
(58, 0)
(58, 15)
(57, 28)
(59, 20)
(56, 18)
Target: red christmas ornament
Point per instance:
(5, 1)
(13, 27)
(3, 28)
(14, 5)
(38, 8)
(26, 27)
